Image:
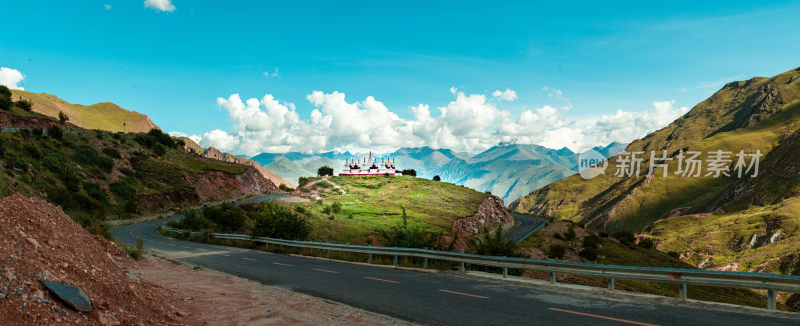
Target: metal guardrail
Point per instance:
(682, 277)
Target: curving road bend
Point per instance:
(528, 225)
(445, 298)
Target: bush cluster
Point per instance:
(325, 171)
(157, 141)
(410, 172)
(277, 221)
(5, 98)
(625, 237)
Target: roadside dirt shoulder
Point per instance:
(214, 298)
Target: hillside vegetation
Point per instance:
(101, 116)
(568, 241)
(761, 114)
(98, 176)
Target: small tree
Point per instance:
(25, 105)
(437, 178)
(410, 172)
(325, 171)
(4, 91)
(62, 117)
(5, 98)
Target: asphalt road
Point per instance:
(447, 298)
(528, 225)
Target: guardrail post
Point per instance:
(611, 284)
(772, 301)
(425, 260)
(394, 263)
(369, 258)
(461, 268)
(683, 292)
(505, 272)
(553, 277)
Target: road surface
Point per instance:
(446, 298)
(528, 225)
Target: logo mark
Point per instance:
(591, 164)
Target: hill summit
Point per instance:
(101, 116)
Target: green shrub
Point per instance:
(674, 254)
(126, 171)
(589, 253)
(277, 221)
(326, 210)
(112, 152)
(25, 105)
(624, 237)
(437, 178)
(556, 251)
(228, 217)
(192, 221)
(336, 207)
(123, 190)
(285, 188)
(86, 155)
(646, 243)
(569, 235)
(5, 103)
(493, 244)
(94, 191)
(591, 241)
(4, 91)
(135, 253)
(159, 149)
(410, 172)
(105, 164)
(55, 132)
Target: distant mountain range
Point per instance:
(508, 171)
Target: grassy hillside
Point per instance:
(371, 203)
(100, 116)
(760, 114)
(751, 115)
(96, 176)
(620, 250)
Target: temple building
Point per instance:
(369, 166)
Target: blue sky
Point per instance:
(174, 65)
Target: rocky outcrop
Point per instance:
(210, 187)
(491, 214)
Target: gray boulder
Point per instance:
(72, 296)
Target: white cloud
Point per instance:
(107, 6)
(160, 5)
(272, 74)
(469, 122)
(218, 139)
(507, 95)
(11, 78)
